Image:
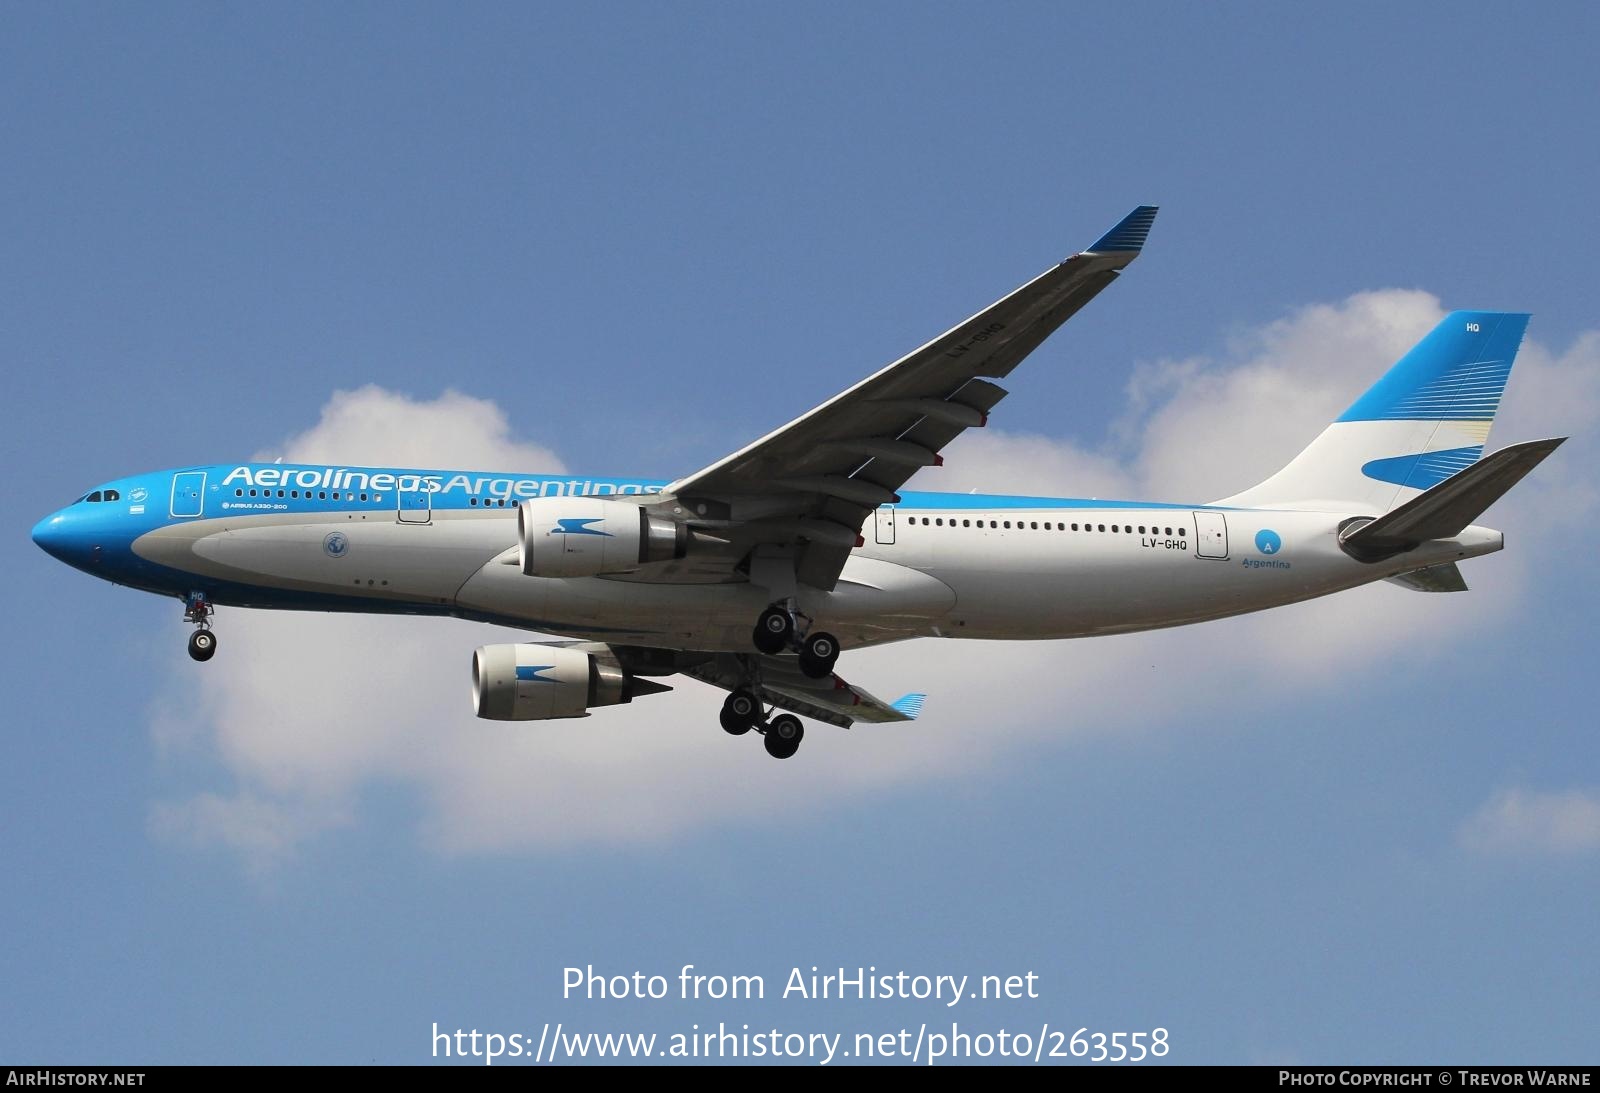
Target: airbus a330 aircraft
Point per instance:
(753, 573)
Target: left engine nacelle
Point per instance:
(588, 536)
(537, 682)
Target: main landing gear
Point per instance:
(781, 736)
(198, 610)
(776, 630)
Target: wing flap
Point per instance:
(833, 700)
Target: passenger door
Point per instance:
(188, 494)
(1210, 535)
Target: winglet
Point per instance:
(1130, 234)
(910, 705)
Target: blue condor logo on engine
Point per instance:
(440, 485)
(579, 525)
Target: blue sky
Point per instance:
(633, 237)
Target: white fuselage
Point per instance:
(935, 565)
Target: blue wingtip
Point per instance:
(910, 705)
(1130, 234)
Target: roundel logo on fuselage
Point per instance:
(336, 545)
(1268, 541)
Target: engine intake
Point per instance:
(535, 682)
(589, 536)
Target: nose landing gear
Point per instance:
(198, 610)
(202, 645)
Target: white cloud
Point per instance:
(1522, 822)
(306, 713)
(1224, 426)
(1198, 429)
(374, 427)
(264, 830)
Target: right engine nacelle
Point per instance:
(588, 536)
(536, 682)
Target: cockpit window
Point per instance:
(113, 495)
(93, 497)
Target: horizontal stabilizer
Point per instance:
(1433, 578)
(1444, 511)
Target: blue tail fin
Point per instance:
(1456, 373)
(1426, 419)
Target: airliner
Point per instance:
(754, 573)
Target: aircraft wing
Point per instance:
(781, 684)
(811, 484)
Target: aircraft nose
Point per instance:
(55, 536)
(49, 535)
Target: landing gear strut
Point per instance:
(198, 610)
